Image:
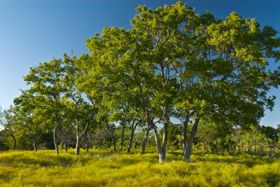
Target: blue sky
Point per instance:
(33, 31)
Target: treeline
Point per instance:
(172, 63)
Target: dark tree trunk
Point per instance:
(35, 144)
(145, 141)
(15, 141)
(112, 136)
(162, 153)
(87, 145)
(66, 143)
(130, 141)
(164, 140)
(54, 141)
(187, 154)
(133, 127)
(255, 144)
(66, 138)
(184, 132)
(122, 136)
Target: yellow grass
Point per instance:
(102, 168)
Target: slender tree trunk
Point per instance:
(164, 141)
(15, 142)
(66, 138)
(187, 154)
(159, 148)
(77, 151)
(165, 134)
(112, 136)
(130, 141)
(122, 136)
(184, 132)
(87, 145)
(133, 128)
(54, 141)
(35, 144)
(66, 142)
(145, 141)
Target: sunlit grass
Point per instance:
(103, 168)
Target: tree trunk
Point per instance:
(164, 142)
(184, 132)
(161, 149)
(161, 154)
(187, 154)
(130, 141)
(35, 144)
(112, 136)
(165, 135)
(66, 143)
(15, 142)
(133, 127)
(77, 151)
(145, 141)
(122, 136)
(87, 145)
(54, 141)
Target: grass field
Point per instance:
(102, 168)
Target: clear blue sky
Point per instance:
(33, 31)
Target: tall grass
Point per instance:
(102, 168)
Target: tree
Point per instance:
(46, 84)
(29, 118)
(8, 123)
(176, 61)
(83, 112)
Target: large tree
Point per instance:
(176, 61)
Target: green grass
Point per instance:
(102, 168)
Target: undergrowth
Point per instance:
(103, 168)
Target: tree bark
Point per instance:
(161, 149)
(66, 143)
(35, 144)
(184, 132)
(87, 145)
(130, 141)
(187, 154)
(77, 151)
(161, 154)
(122, 136)
(66, 138)
(133, 127)
(15, 141)
(78, 136)
(112, 136)
(54, 141)
(145, 141)
(165, 135)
